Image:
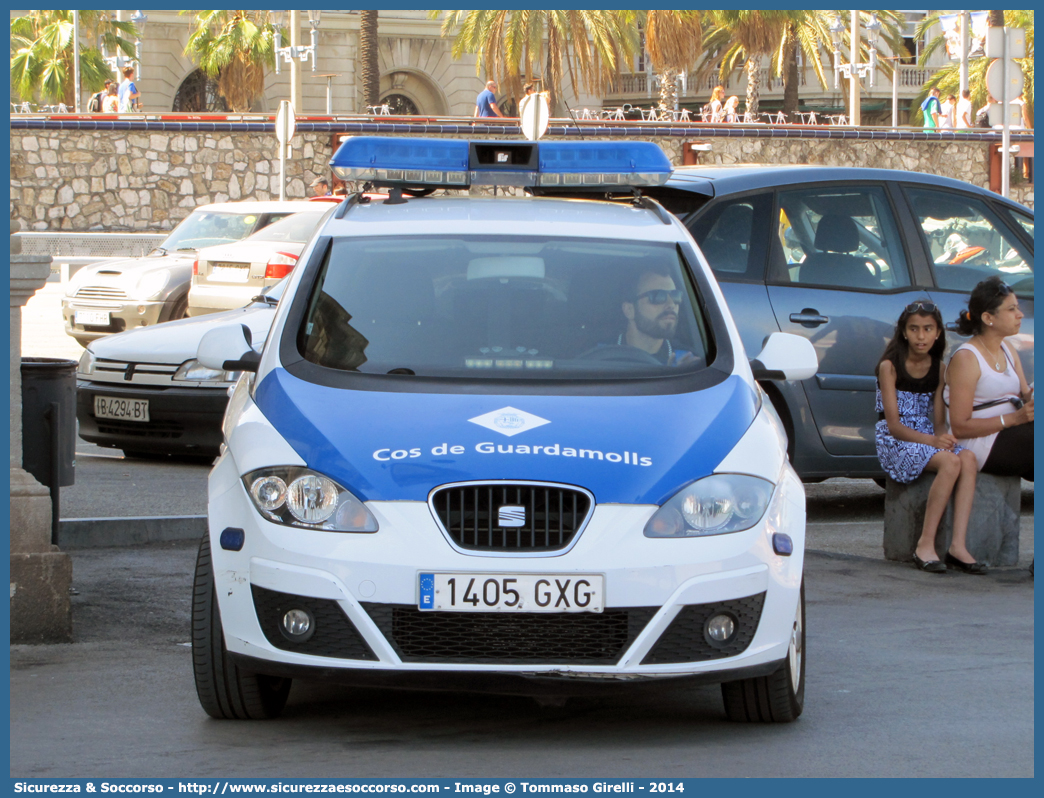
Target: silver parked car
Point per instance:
(226, 276)
(120, 295)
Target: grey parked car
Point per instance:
(834, 254)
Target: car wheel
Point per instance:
(225, 691)
(780, 696)
(180, 309)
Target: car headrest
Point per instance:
(837, 233)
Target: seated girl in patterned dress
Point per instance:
(911, 431)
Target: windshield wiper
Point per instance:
(264, 299)
(160, 250)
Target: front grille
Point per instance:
(168, 430)
(683, 640)
(100, 292)
(149, 373)
(500, 638)
(334, 636)
(470, 515)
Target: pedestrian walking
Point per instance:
(95, 104)
(949, 109)
(963, 116)
(486, 102)
(912, 436)
(931, 109)
(111, 101)
(129, 96)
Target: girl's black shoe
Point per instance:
(968, 567)
(931, 566)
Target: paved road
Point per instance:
(909, 674)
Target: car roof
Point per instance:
(718, 180)
(543, 216)
(266, 206)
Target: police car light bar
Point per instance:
(456, 163)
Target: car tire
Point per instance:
(225, 691)
(179, 310)
(778, 697)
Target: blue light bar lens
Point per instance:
(626, 157)
(439, 162)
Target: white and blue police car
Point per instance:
(502, 443)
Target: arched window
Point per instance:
(198, 93)
(401, 105)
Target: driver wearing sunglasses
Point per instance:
(652, 318)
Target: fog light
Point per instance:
(720, 628)
(298, 625)
(232, 538)
(141, 310)
(782, 544)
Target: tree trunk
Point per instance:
(668, 89)
(370, 72)
(753, 85)
(995, 19)
(791, 79)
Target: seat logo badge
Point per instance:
(509, 421)
(511, 515)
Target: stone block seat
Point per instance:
(993, 529)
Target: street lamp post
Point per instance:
(295, 52)
(76, 61)
(854, 70)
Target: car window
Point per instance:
(207, 228)
(1024, 220)
(967, 242)
(842, 237)
(732, 237)
(503, 308)
(294, 229)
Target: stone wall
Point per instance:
(120, 181)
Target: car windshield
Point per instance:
(207, 228)
(295, 229)
(505, 307)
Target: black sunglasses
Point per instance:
(659, 296)
(927, 307)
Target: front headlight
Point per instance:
(714, 505)
(298, 497)
(86, 362)
(193, 370)
(151, 284)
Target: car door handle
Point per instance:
(809, 317)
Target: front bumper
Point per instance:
(362, 589)
(182, 420)
(123, 315)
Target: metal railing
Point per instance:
(92, 245)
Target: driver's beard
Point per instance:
(654, 328)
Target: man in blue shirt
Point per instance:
(486, 102)
(931, 108)
(128, 92)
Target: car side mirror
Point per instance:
(785, 357)
(228, 348)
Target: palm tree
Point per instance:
(234, 48)
(745, 36)
(673, 40)
(370, 70)
(511, 45)
(42, 53)
(808, 32)
(948, 80)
